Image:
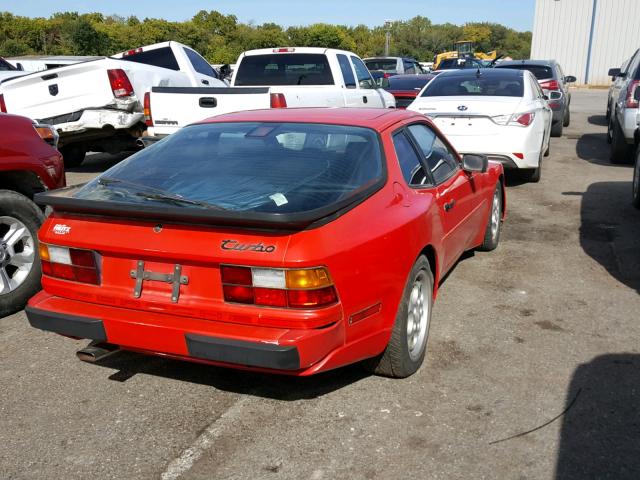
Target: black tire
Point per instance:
(73, 154)
(547, 152)
(567, 117)
(14, 206)
(491, 236)
(609, 128)
(636, 181)
(556, 129)
(620, 151)
(397, 360)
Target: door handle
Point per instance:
(207, 102)
(365, 99)
(206, 82)
(449, 206)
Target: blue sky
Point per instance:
(516, 14)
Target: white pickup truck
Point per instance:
(270, 78)
(7, 70)
(98, 105)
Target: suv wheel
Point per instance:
(567, 117)
(20, 271)
(620, 152)
(556, 129)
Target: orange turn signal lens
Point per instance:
(44, 252)
(308, 278)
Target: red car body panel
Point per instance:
(369, 252)
(22, 149)
(404, 97)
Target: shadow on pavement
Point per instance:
(600, 435)
(599, 120)
(278, 387)
(610, 230)
(593, 148)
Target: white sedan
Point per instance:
(500, 113)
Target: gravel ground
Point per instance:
(540, 336)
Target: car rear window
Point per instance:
(284, 69)
(460, 63)
(385, 64)
(539, 71)
(473, 84)
(6, 66)
(159, 57)
(413, 82)
(247, 167)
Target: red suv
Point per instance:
(29, 163)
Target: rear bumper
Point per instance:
(501, 148)
(99, 119)
(293, 351)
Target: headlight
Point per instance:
(48, 133)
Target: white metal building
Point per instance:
(587, 37)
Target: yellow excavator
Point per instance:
(463, 49)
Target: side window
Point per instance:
(441, 161)
(535, 88)
(409, 161)
(409, 68)
(362, 73)
(200, 65)
(347, 73)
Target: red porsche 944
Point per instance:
(291, 240)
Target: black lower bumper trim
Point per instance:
(64, 324)
(251, 354)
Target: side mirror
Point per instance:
(569, 79)
(19, 67)
(472, 162)
(225, 70)
(614, 72)
(636, 94)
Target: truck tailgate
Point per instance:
(175, 107)
(59, 91)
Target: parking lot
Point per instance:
(545, 327)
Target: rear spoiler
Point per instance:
(62, 200)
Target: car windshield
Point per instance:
(246, 167)
(475, 84)
(284, 69)
(460, 63)
(412, 82)
(540, 71)
(384, 64)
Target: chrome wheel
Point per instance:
(495, 215)
(418, 316)
(17, 254)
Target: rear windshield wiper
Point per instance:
(151, 193)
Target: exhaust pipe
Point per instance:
(144, 142)
(96, 351)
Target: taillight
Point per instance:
(517, 119)
(278, 100)
(274, 287)
(120, 84)
(3, 106)
(148, 119)
(631, 90)
(523, 119)
(69, 264)
(386, 75)
(550, 85)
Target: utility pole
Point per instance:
(387, 36)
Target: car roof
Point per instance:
(376, 118)
(484, 72)
(383, 58)
(545, 63)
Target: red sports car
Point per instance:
(291, 240)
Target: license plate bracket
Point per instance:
(140, 275)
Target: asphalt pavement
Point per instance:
(532, 369)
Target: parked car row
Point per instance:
(283, 270)
(623, 118)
